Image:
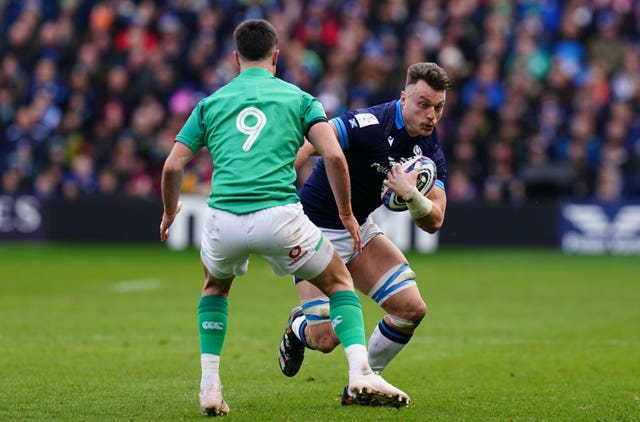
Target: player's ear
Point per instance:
(236, 58)
(275, 56)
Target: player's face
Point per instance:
(422, 108)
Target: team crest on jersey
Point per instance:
(417, 150)
(366, 119)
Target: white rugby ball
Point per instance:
(426, 179)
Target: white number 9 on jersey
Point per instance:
(252, 131)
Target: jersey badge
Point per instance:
(417, 150)
(366, 119)
(390, 140)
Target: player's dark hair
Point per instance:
(431, 73)
(255, 39)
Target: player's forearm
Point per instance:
(171, 187)
(432, 221)
(172, 173)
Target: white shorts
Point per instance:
(283, 235)
(343, 242)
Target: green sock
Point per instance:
(346, 317)
(212, 323)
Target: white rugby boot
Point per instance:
(211, 401)
(372, 387)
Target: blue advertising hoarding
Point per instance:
(21, 218)
(599, 228)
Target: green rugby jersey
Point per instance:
(253, 128)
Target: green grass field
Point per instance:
(109, 333)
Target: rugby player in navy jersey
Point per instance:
(375, 140)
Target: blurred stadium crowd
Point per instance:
(545, 100)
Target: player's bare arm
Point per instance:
(433, 222)
(323, 138)
(172, 173)
(307, 149)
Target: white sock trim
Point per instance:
(210, 365)
(358, 359)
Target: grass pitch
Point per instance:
(109, 333)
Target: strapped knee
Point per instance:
(402, 323)
(316, 310)
(393, 281)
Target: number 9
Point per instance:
(252, 131)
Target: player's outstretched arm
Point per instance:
(171, 185)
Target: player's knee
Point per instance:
(417, 311)
(409, 316)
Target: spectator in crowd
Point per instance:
(542, 79)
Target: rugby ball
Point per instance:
(426, 179)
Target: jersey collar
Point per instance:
(399, 120)
(255, 72)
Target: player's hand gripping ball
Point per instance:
(426, 178)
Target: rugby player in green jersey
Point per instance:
(253, 128)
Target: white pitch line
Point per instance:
(142, 285)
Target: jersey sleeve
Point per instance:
(441, 164)
(358, 126)
(192, 133)
(345, 126)
(312, 112)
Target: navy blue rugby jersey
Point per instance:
(373, 139)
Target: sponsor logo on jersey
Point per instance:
(380, 168)
(384, 169)
(353, 123)
(212, 325)
(296, 254)
(594, 228)
(293, 253)
(366, 119)
(417, 150)
(390, 139)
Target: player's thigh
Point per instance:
(377, 257)
(290, 242)
(223, 248)
(343, 242)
